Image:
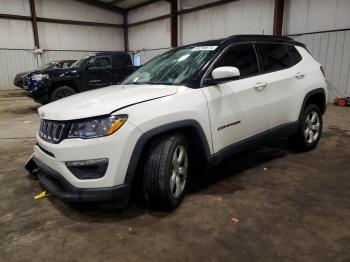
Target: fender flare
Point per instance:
(307, 96)
(150, 134)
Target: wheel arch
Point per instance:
(192, 131)
(70, 84)
(316, 96)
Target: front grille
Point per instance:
(52, 131)
(25, 82)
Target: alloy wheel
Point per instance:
(312, 127)
(179, 171)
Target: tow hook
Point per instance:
(30, 165)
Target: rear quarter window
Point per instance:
(121, 60)
(295, 57)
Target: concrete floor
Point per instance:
(291, 206)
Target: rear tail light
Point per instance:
(323, 71)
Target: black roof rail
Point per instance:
(246, 37)
(262, 38)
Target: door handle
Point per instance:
(260, 86)
(299, 75)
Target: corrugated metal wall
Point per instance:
(56, 55)
(12, 62)
(78, 37)
(245, 16)
(74, 10)
(331, 49)
(17, 43)
(153, 38)
(304, 16)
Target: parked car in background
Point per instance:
(190, 107)
(91, 72)
(60, 64)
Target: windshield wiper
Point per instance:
(154, 83)
(148, 83)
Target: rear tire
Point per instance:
(61, 92)
(165, 175)
(310, 129)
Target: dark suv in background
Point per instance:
(91, 72)
(60, 64)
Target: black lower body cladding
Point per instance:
(56, 185)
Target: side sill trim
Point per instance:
(281, 130)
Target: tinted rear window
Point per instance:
(121, 60)
(102, 61)
(274, 57)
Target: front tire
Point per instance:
(310, 129)
(61, 92)
(165, 175)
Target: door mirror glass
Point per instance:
(223, 74)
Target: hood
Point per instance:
(23, 74)
(103, 101)
(55, 71)
(59, 72)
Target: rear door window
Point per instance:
(243, 57)
(102, 61)
(273, 57)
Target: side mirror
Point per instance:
(223, 74)
(88, 65)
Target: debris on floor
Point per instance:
(41, 195)
(235, 220)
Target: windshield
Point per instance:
(46, 66)
(80, 62)
(172, 67)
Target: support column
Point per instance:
(278, 18)
(34, 24)
(173, 23)
(126, 32)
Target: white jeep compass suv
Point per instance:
(192, 106)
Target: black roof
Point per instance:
(64, 60)
(111, 53)
(249, 38)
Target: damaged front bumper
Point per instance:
(56, 185)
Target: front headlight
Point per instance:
(98, 127)
(40, 77)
